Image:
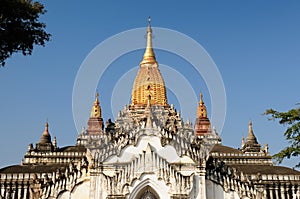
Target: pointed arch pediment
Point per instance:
(147, 193)
(149, 187)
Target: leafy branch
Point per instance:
(290, 119)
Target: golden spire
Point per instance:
(149, 81)
(149, 56)
(96, 110)
(96, 100)
(201, 112)
(201, 99)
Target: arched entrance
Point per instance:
(147, 193)
(149, 188)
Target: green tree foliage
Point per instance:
(290, 119)
(20, 28)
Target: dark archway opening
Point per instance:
(147, 193)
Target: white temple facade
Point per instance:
(148, 152)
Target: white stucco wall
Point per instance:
(64, 195)
(81, 191)
(216, 191)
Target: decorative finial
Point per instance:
(250, 127)
(201, 112)
(149, 56)
(251, 137)
(201, 98)
(97, 100)
(55, 143)
(83, 130)
(46, 131)
(96, 110)
(149, 25)
(215, 130)
(188, 121)
(46, 138)
(266, 148)
(243, 141)
(251, 144)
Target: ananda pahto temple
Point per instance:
(148, 152)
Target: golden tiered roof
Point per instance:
(149, 84)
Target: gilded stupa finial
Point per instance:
(149, 56)
(149, 22)
(201, 107)
(96, 98)
(202, 123)
(201, 99)
(96, 110)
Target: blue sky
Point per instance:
(255, 45)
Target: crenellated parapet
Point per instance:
(56, 157)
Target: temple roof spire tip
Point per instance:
(149, 81)
(149, 56)
(46, 131)
(201, 112)
(201, 98)
(96, 109)
(96, 98)
(46, 138)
